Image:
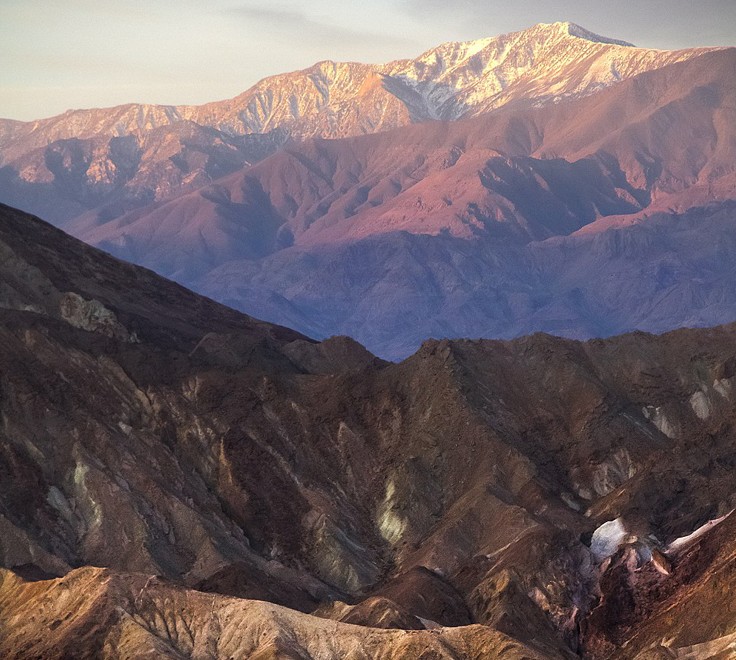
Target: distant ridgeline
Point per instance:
(549, 179)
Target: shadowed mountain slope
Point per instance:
(512, 489)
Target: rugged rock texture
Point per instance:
(97, 613)
(638, 606)
(479, 499)
(94, 177)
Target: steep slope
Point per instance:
(113, 174)
(673, 612)
(460, 228)
(147, 430)
(44, 172)
(67, 312)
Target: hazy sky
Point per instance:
(89, 53)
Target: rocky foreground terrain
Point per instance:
(180, 480)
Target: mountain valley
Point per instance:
(483, 227)
(442, 202)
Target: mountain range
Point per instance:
(550, 179)
(132, 155)
(218, 471)
(182, 480)
(546, 180)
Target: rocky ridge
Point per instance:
(119, 158)
(536, 498)
(449, 81)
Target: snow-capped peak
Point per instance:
(541, 32)
(541, 64)
(575, 30)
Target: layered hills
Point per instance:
(589, 217)
(112, 159)
(181, 479)
(550, 179)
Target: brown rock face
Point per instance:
(660, 616)
(93, 613)
(237, 484)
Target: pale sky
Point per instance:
(56, 55)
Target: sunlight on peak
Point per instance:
(466, 49)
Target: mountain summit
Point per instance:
(466, 192)
(130, 155)
(423, 85)
(575, 30)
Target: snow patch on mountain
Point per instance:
(454, 80)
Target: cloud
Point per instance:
(317, 29)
